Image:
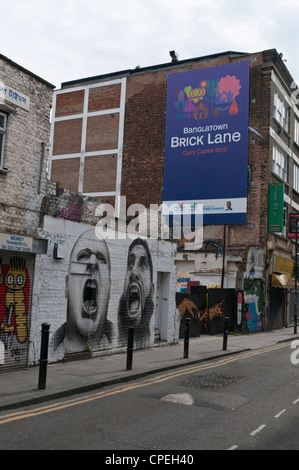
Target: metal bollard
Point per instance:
(130, 348)
(186, 340)
(43, 363)
(295, 323)
(226, 320)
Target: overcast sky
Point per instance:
(62, 40)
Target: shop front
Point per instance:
(282, 282)
(17, 260)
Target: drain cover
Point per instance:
(212, 382)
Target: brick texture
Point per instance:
(67, 137)
(100, 173)
(106, 97)
(69, 103)
(102, 132)
(66, 172)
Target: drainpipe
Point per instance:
(223, 260)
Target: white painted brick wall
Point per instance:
(49, 303)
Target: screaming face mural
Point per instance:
(136, 304)
(87, 291)
(88, 286)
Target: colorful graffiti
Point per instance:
(14, 304)
(254, 302)
(182, 279)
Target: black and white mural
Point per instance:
(109, 287)
(136, 304)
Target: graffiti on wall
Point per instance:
(182, 279)
(88, 288)
(136, 304)
(254, 302)
(14, 305)
(206, 309)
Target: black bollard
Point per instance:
(43, 363)
(225, 333)
(295, 323)
(130, 348)
(186, 340)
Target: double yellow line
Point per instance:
(15, 416)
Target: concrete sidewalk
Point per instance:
(20, 387)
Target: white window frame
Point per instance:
(3, 133)
(281, 112)
(296, 131)
(279, 166)
(296, 177)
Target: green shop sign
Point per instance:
(275, 207)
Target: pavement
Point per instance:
(21, 387)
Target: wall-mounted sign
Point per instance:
(15, 243)
(206, 142)
(13, 96)
(282, 265)
(275, 207)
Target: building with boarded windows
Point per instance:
(111, 137)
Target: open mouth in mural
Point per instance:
(90, 297)
(134, 300)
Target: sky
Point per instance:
(64, 40)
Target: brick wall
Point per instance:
(86, 125)
(23, 183)
(144, 133)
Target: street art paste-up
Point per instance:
(254, 299)
(88, 291)
(136, 305)
(182, 279)
(14, 302)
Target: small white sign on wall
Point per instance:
(13, 242)
(13, 96)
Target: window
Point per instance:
(296, 131)
(296, 178)
(279, 164)
(3, 120)
(281, 112)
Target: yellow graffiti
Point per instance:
(209, 313)
(14, 299)
(189, 306)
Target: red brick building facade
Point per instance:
(108, 136)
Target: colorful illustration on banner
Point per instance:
(215, 97)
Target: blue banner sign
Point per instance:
(206, 143)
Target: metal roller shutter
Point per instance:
(16, 282)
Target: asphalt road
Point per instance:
(248, 401)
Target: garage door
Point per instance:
(16, 281)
